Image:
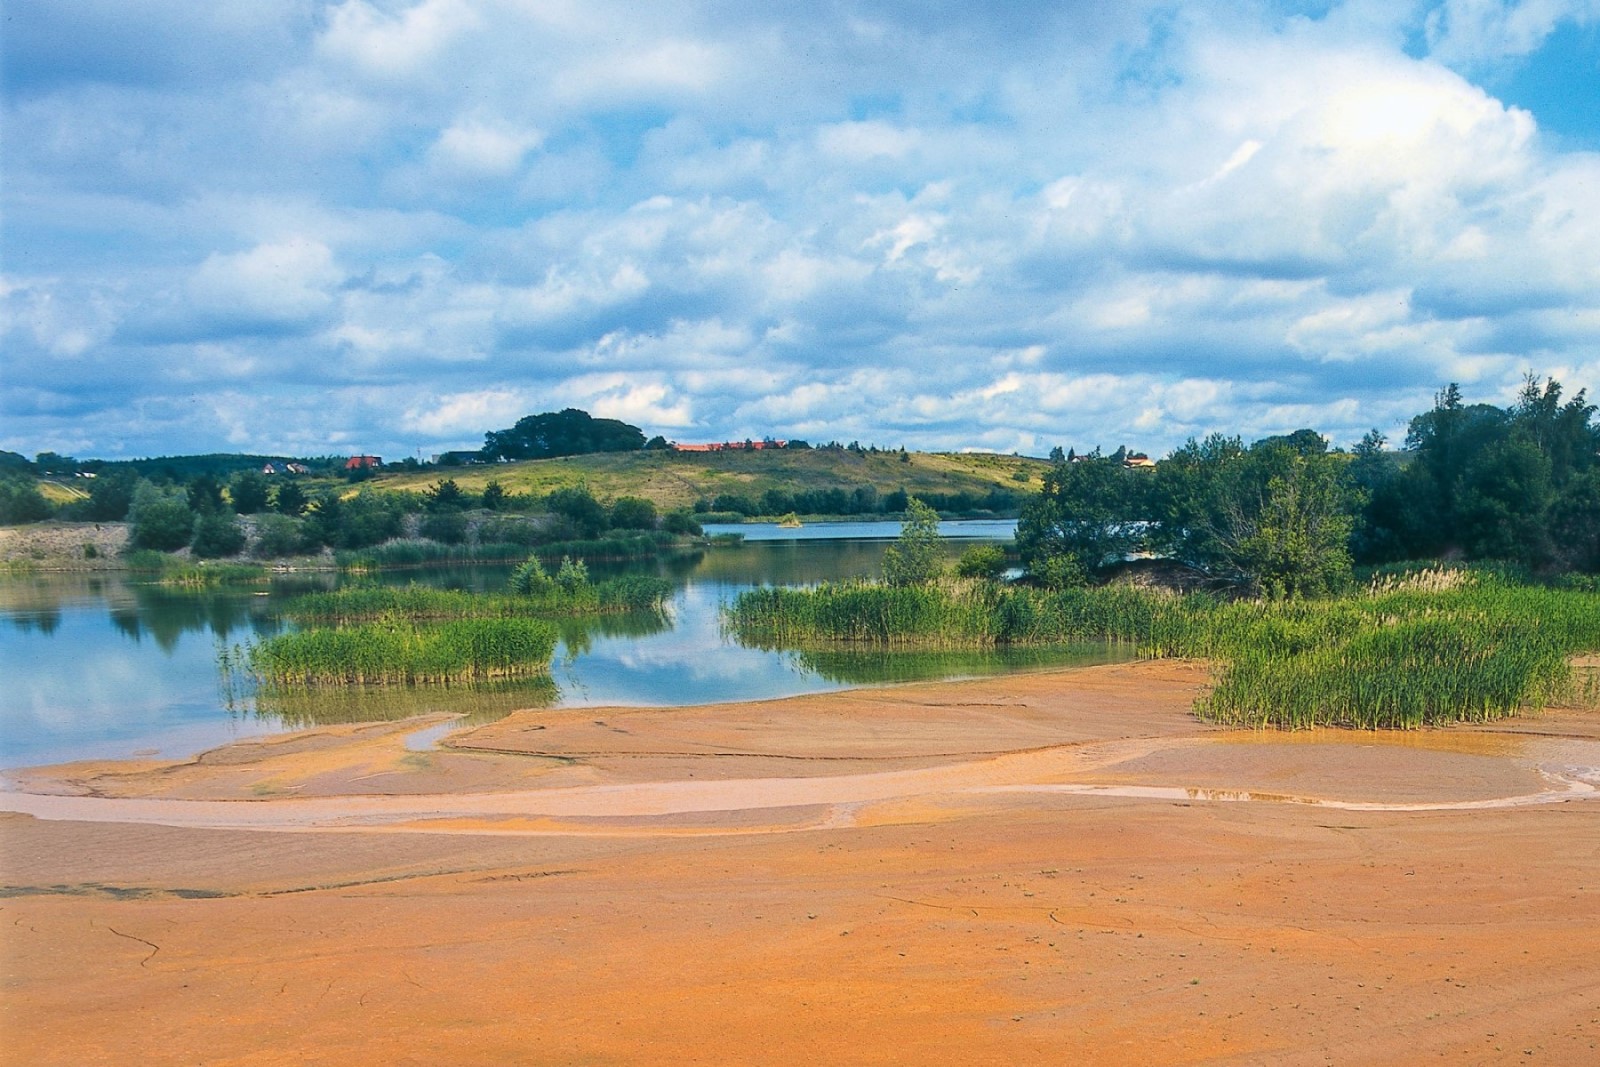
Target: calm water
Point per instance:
(107, 667)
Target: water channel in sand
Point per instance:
(101, 666)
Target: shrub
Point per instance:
(681, 522)
(572, 574)
(446, 527)
(278, 536)
(982, 561)
(914, 558)
(216, 535)
(159, 519)
(22, 502)
(633, 513)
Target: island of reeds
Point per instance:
(413, 635)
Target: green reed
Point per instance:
(1406, 654)
(399, 651)
(416, 602)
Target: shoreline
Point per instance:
(1055, 866)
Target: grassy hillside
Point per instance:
(678, 479)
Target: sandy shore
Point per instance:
(1051, 868)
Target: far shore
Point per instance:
(1056, 867)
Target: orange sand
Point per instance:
(1053, 868)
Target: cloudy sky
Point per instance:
(299, 227)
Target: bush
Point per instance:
(982, 561)
(159, 519)
(578, 505)
(633, 513)
(448, 527)
(681, 522)
(914, 559)
(529, 578)
(248, 491)
(572, 575)
(22, 502)
(278, 536)
(217, 535)
(110, 496)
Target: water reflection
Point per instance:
(857, 667)
(299, 708)
(108, 665)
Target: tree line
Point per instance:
(1288, 516)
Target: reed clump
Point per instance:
(1437, 646)
(394, 650)
(421, 603)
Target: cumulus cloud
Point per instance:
(404, 222)
(1484, 32)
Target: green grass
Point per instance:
(399, 651)
(1413, 651)
(677, 479)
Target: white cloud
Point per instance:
(1481, 32)
(946, 228)
(393, 44)
(287, 280)
(475, 146)
(467, 414)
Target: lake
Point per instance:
(108, 666)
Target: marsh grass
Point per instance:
(1414, 650)
(421, 603)
(394, 650)
(205, 575)
(419, 553)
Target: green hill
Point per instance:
(679, 479)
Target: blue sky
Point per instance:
(387, 226)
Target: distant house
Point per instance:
(730, 446)
(296, 468)
(267, 468)
(1139, 461)
(357, 463)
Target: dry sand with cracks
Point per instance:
(1053, 868)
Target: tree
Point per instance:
(1273, 518)
(204, 494)
(982, 561)
(159, 519)
(248, 491)
(21, 502)
(289, 499)
(681, 521)
(217, 534)
(444, 496)
(494, 496)
(278, 536)
(579, 507)
(446, 527)
(633, 513)
(569, 432)
(916, 557)
(1089, 512)
(1057, 456)
(111, 495)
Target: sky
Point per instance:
(388, 226)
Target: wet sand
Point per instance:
(1052, 868)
